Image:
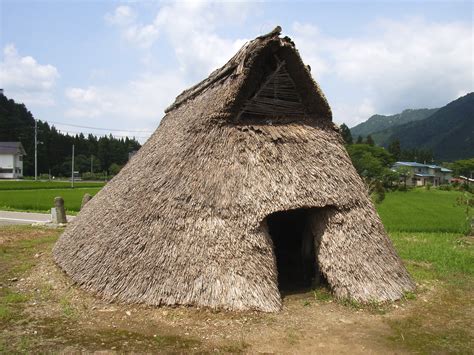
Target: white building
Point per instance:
(11, 160)
(417, 174)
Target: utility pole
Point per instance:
(36, 149)
(72, 168)
(92, 157)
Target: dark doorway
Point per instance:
(294, 248)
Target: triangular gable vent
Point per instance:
(276, 98)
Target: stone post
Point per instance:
(60, 212)
(86, 198)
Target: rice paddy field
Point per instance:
(38, 196)
(42, 311)
(421, 210)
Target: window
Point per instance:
(6, 171)
(20, 157)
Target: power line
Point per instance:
(99, 128)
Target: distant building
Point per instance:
(463, 180)
(418, 174)
(11, 160)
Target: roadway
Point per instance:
(10, 218)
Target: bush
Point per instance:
(445, 187)
(378, 194)
(428, 186)
(93, 176)
(114, 169)
(403, 188)
(88, 176)
(465, 187)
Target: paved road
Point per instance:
(8, 218)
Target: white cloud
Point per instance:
(190, 27)
(410, 63)
(125, 18)
(191, 30)
(24, 79)
(122, 15)
(357, 112)
(140, 102)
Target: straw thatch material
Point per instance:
(184, 222)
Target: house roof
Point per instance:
(185, 221)
(410, 163)
(424, 175)
(12, 148)
(419, 165)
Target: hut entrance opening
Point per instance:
(294, 248)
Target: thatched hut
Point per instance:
(243, 191)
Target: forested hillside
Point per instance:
(54, 153)
(378, 123)
(448, 133)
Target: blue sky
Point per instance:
(118, 64)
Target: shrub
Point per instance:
(402, 188)
(445, 187)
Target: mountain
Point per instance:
(449, 132)
(378, 123)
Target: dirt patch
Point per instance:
(16, 233)
(64, 315)
(52, 314)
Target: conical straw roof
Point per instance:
(184, 222)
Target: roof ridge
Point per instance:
(234, 66)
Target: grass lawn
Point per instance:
(427, 228)
(42, 200)
(421, 210)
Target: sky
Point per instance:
(117, 65)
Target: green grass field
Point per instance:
(38, 196)
(422, 210)
(428, 229)
(43, 200)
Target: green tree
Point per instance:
(395, 149)
(54, 152)
(369, 140)
(463, 167)
(374, 166)
(370, 161)
(418, 155)
(346, 134)
(359, 140)
(404, 173)
(114, 169)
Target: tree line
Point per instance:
(99, 155)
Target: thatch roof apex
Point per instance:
(266, 50)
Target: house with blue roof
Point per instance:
(417, 174)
